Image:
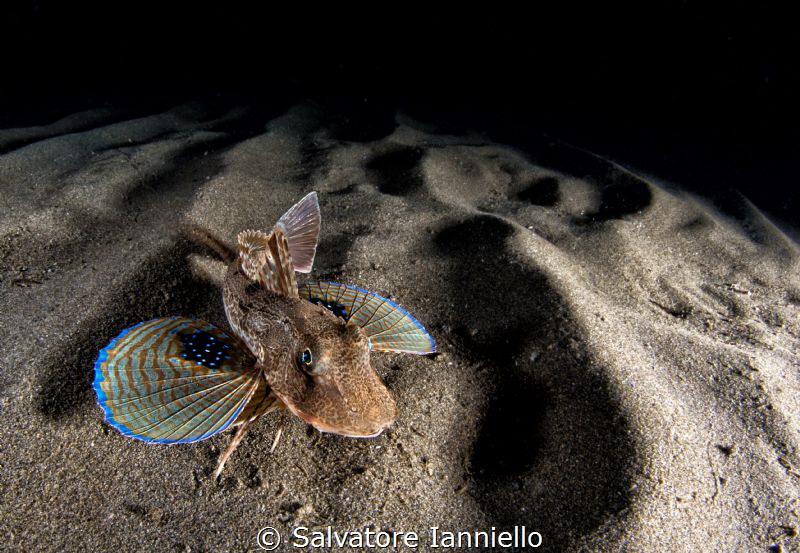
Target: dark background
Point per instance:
(704, 96)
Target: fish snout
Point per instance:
(361, 410)
(356, 417)
(357, 425)
(373, 422)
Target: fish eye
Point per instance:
(305, 361)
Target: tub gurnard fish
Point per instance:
(305, 348)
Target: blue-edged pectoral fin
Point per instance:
(174, 380)
(388, 326)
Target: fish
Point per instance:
(302, 347)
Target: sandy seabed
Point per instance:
(620, 366)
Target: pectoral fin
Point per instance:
(175, 380)
(388, 326)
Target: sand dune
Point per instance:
(620, 366)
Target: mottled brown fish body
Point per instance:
(338, 391)
(307, 348)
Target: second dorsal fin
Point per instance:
(265, 258)
(301, 225)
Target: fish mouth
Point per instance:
(348, 429)
(322, 427)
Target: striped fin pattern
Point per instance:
(174, 380)
(388, 326)
(265, 258)
(301, 225)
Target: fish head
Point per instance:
(326, 378)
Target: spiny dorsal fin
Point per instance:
(266, 259)
(252, 248)
(301, 225)
(279, 265)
